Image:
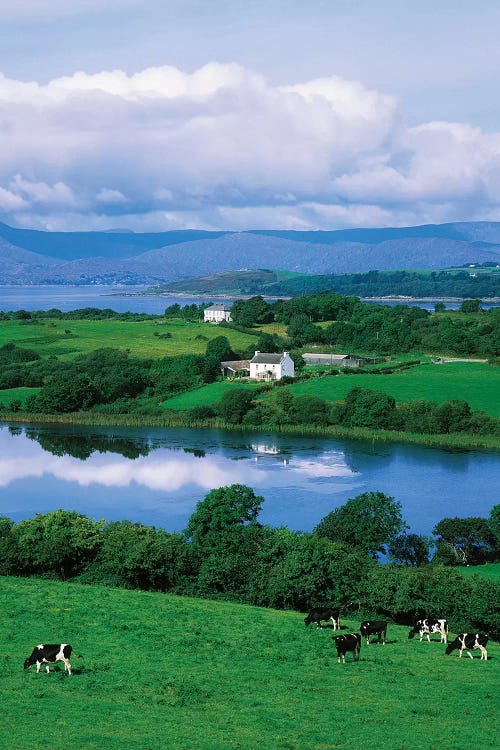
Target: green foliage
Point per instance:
(251, 312)
(234, 404)
(217, 351)
(59, 543)
(410, 549)
(220, 511)
(139, 556)
(470, 540)
(470, 306)
(367, 522)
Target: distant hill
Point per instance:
(477, 282)
(36, 257)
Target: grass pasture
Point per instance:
(69, 338)
(17, 394)
(206, 395)
(475, 382)
(160, 671)
(490, 571)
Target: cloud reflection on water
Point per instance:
(164, 470)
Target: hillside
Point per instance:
(35, 257)
(477, 282)
(159, 671)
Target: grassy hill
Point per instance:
(69, 338)
(475, 382)
(159, 671)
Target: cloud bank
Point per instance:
(221, 147)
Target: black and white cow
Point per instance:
(49, 654)
(327, 613)
(374, 627)
(345, 643)
(467, 642)
(430, 625)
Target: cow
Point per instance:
(49, 654)
(467, 642)
(345, 643)
(430, 625)
(327, 613)
(374, 627)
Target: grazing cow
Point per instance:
(49, 654)
(374, 627)
(327, 613)
(468, 641)
(430, 625)
(345, 643)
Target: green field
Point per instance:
(490, 571)
(206, 395)
(474, 382)
(159, 671)
(17, 394)
(477, 383)
(69, 338)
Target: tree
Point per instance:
(470, 306)
(221, 511)
(369, 521)
(410, 549)
(309, 409)
(367, 408)
(494, 524)
(234, 404)
(469, 539)
(141, 556)
(218, 350)
(60, 543)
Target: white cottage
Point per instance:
(270, 366)
(216, 314)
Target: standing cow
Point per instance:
(327, 613)
(49, 654)
(430, 625)
(374, 627)
(467, 642)
(345, 643)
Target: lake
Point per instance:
(157, 475)
(129, 299)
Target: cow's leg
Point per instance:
(484, 653)
(67, 666)
(470, 654)
(38, 665)
(47, 669)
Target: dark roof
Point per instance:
(263, 358)
(236, 364)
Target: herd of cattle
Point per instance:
(351, 642)
(348, 642)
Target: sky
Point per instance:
(152, 115)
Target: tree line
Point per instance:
(450, 283)
(225, 553)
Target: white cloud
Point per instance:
(222, 147)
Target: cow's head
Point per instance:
(450, 647)
(412, 633)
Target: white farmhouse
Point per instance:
(270, 366)
(217, 313)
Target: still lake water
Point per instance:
(67, 298)
(156, 476)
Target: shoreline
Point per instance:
(449, 441)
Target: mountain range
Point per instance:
(124, 257)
